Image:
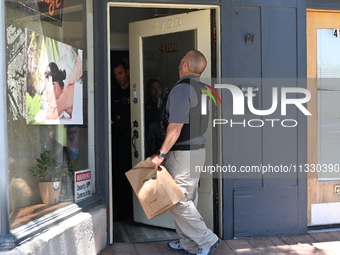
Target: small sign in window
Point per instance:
(83, 184)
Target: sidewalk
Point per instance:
(311, 243)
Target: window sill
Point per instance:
(24, 215)
(43, 216)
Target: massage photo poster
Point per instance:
(54, 81)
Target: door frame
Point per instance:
(216, 56)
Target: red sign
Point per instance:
(83, 176)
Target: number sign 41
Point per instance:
(336, 33)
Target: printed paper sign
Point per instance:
(83, 184)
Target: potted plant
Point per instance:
(50, 173)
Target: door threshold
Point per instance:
(129, 231)
(323, 228)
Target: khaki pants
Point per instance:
(189, 224)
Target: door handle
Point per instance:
(133, 141)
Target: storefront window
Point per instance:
(47, 106)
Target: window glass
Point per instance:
(47, 104)
(328, 64)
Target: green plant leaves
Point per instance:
(48, 169)
(33, 106)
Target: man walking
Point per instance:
(183, 148)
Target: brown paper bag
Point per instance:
(157, 192)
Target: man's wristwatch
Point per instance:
(160, 154)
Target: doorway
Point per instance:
(323, 48)
(121, 15)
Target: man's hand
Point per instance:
(172, 133)
(157, 161)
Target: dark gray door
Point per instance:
(264, 46)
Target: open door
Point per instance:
(323, 58)
(156, 48)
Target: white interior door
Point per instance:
(156, 48)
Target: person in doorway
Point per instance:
(152, 108)
(179, 149)
(154, 101)
(121, 138)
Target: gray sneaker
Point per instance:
(175, 246)
(210, 250)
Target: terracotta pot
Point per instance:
(50, 192)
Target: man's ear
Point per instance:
(186, 66)
(128, 71)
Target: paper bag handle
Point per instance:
(150, 179)
(160, 168)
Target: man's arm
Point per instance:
(172, 133)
